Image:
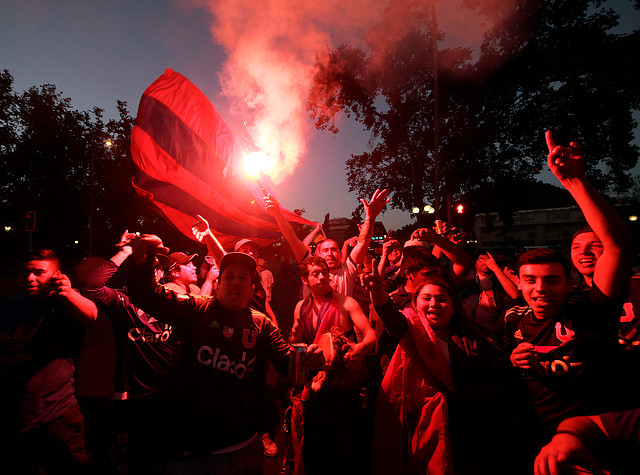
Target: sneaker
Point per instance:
(270, 447)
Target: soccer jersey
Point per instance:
(221, 349)
(145, 346)
(575, 350)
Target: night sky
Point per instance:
(98, 51)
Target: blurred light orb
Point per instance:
(257, 163)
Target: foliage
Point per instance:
(48, 148)
(550, 65)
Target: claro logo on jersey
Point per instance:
(208, 357)
(149, 336)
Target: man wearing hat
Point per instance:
(223, 343)
(203, 233)
(181, 275)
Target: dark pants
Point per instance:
(246, 461)
(333, 433)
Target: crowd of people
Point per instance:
(426, 361)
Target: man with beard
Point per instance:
(331, 406)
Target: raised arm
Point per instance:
(462, 261)
(507, 284)
(348, 243)
(613, 268)
(308, 239)
(209, 281)
(95, 287)
(300, 250)
(203, 233)
(394, 322)
(372, 209)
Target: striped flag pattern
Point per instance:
(182, 149)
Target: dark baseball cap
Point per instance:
(238, 258)
(179, 259)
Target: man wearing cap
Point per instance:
(223, 342)
(145, 368)
(203, 233)
(182, 275)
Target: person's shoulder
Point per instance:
(260, 319)
(516, 313)
(174, 287)
(257, 314)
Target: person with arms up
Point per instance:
(564, 349)
(222, 342)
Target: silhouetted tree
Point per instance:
(48, 151)
(547, 65)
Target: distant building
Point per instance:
(536, 227)
(341, 229)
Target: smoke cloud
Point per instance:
(272, 46)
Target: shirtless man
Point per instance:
(332, 411)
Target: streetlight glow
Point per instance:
(415, 210)
(633, 217)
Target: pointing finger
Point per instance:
(551, 144)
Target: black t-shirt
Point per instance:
(39, 347)
(576, 351)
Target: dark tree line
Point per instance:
(547, 65)
(47, 149)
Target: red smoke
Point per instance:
(272, 46)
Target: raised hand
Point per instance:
(146, 245)
(125, 238)
(565, 162)
(271, 204)
(491, 263)
(61, 285)
(379, 200)
(201, 228)
(423, 234)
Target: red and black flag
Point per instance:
(182, 148)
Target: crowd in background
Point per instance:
(423, 358)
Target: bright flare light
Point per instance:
(258, 163)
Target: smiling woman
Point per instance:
(444, 392)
